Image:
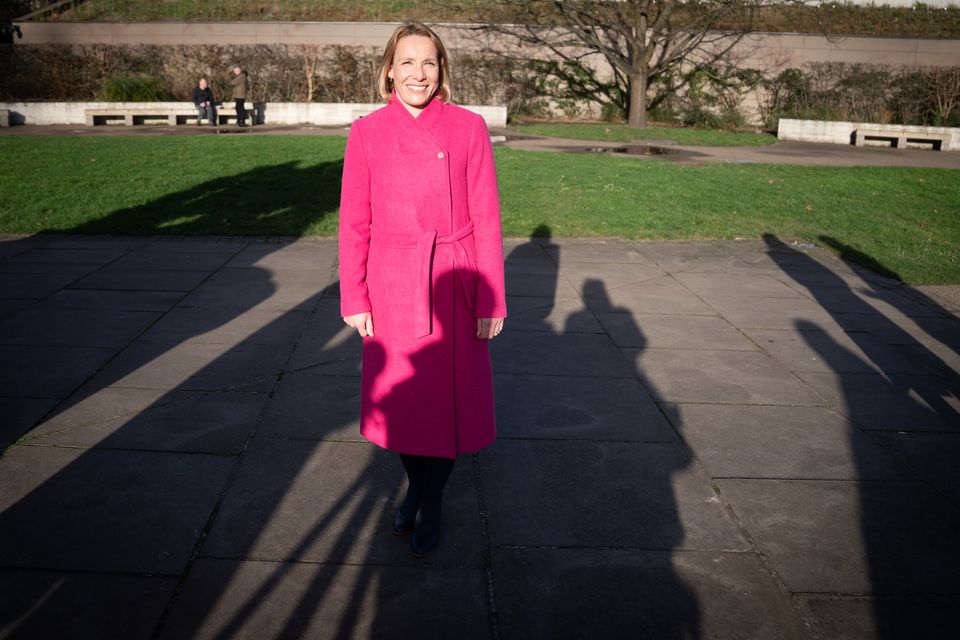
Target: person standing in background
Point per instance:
(239, 85)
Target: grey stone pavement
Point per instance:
(744, 439)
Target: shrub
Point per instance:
(134, 89)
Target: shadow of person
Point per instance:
(531, 272)
(578, 493)
(885, 377)
(114, 493)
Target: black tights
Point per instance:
(427, 477)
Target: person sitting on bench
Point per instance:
(203, 99)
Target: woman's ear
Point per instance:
(390, 72)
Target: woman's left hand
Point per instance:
(488, 328)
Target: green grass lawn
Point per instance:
(901, 220)
(615, 132)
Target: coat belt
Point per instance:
(425, 243)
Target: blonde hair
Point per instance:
(385, 84)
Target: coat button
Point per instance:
(440, 155)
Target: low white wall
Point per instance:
(45, 113)
(842, 132)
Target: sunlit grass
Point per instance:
(903, 220)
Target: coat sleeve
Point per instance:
(354, 227)
(484, 203)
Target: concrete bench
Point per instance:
(160, 115)
(898, 138)
(4, 117)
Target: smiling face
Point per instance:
(415, 72)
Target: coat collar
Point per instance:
(428, 117)
(429, 121)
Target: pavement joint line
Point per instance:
(96, 447)
(871, 481)
(764, 561)
(412, 563)
(626, 548)
(94, 572)
(492, 616)
(580, 440)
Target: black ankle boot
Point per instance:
(426, 532)
(406, 515)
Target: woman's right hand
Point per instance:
(362, 322)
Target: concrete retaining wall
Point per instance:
(45, 113)
(842, 132)
(767, 51)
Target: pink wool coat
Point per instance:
(420, 248)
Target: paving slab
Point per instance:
(57, 268)
(173, 260)
(586, 275)
(75, 328)
(103, 510)
(599, 494)
(662, 331)
(885, 538)
(871, 300)
(71, 254)
(194, 366)
(115, 300)
(937, 358)
(890, 402)
(47, 372)
(898, 328)
(566, 408)
(598, 250)
(94, 243)
(532, 251)
(931, 456)
(608, 593)
(729, 377)
(567, 354)
(196, 244)
(835, 351)
(313, 406)
(307, 501)
(853, 618)
(258, 287)
(294, 256)
(84, 606)
(744, 285)
(226, 326)
(752, 441)
(549, 315)
(246, 599)
(142, 279)
(712, 263)
(34, 286)
(544, 285)
(745, 312)
(154, 420)
(664, 295)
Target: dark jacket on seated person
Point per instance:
(202, 95)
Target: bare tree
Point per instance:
(642, 41)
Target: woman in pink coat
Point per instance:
(421, 273)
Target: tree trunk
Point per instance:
(637, 110)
